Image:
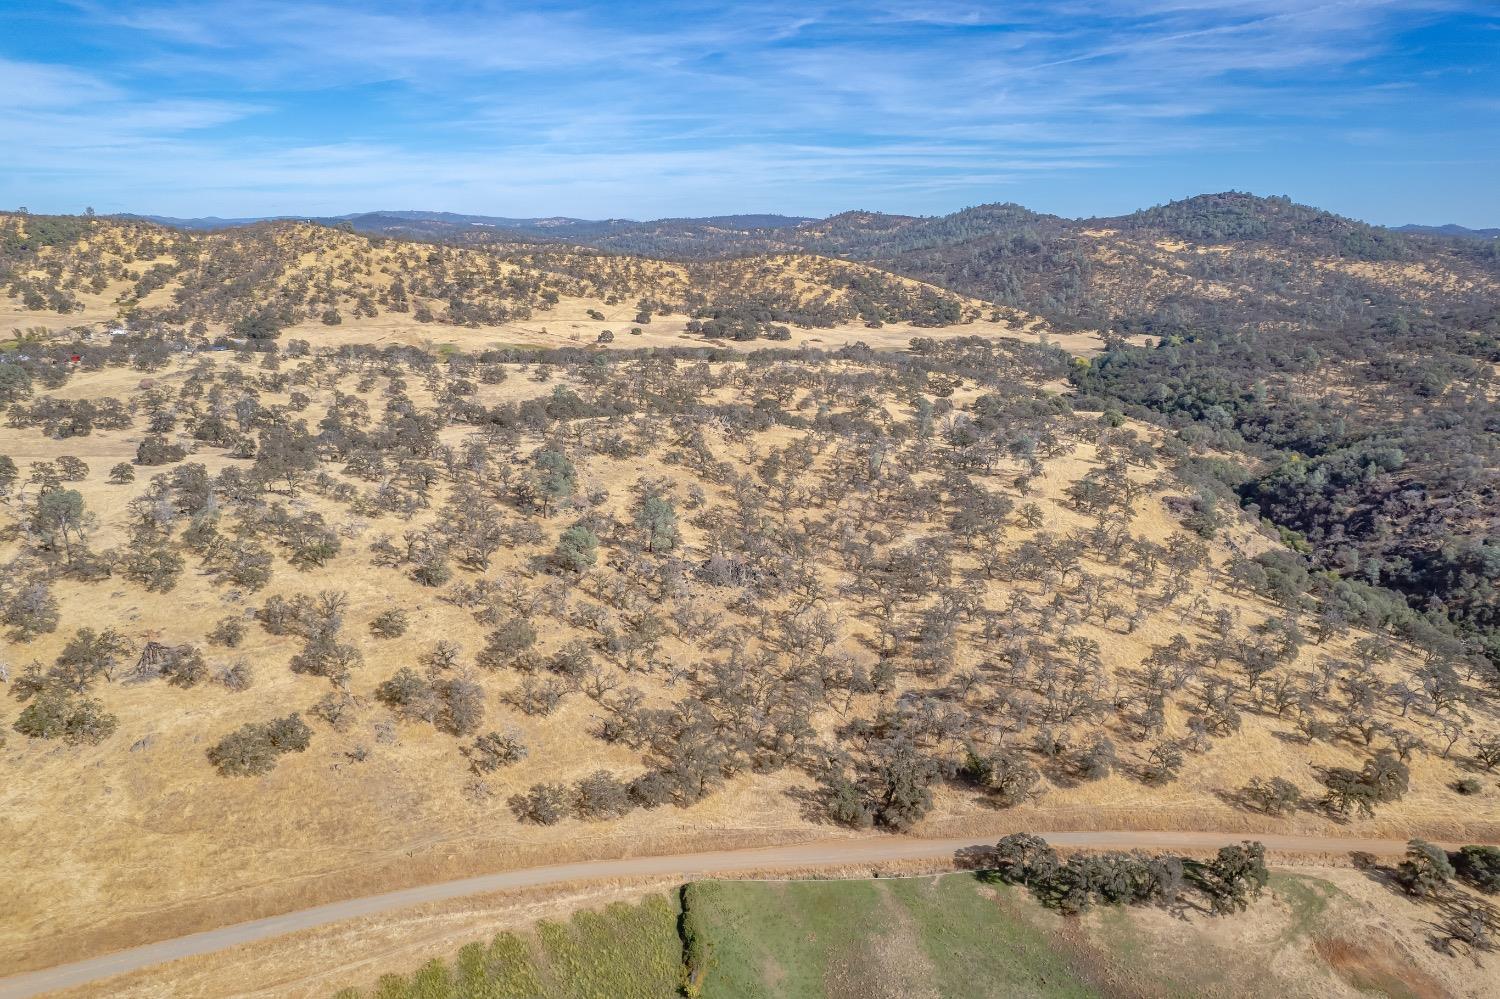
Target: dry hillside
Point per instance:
(286, 274)
(290, 622)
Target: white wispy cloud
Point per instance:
(266, 105)
(39, 86)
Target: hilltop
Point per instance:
(1457, 231)
(1228, 258)
(278, 275)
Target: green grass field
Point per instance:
(620, 952)
(952, 936)
(947, 936)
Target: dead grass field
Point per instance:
(568, 324)
(349, 265)
(137, 839)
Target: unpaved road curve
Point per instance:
(688, 866)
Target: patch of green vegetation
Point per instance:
(958, 936)
(977, 943)
(950, 934)
(1307, 898)
(624, 951)
(768, 939)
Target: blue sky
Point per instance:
(1386, 110)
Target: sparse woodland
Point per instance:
(384, 599)
(262, 279)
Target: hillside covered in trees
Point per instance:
(1375, 444)
(256, 280)
(425, 608)
(1220, 258)
(422, 612)
(1349, 368)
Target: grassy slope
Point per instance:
(624, 951)
(404, 816)
(956, 937)
(943, 936)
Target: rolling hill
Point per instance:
(1455, 231)
(1227, 258)
(338, 561)
(281, 274)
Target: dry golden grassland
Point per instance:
(138, 838)
(1137, 275)
(305, 271)
(347, 266)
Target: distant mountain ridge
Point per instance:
(1456, 231)
(1223, 258)
(415, 219)
(434, 223)
(204, 223)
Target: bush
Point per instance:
(229, 632)
(1005, 774)
(1426, 871)
(254, 748)
(335, 708)
(156, 566)
(389, 624)
(651, 789)
(236, 676)
(600, 795)
(71, 469)
(462, 706)
(1235, 876)
(155, 449)
(409, 695)
(32, 611)
(543, 804)
(264, 325)
(1384, 779)
(1074, 885)
(56, 714)
(1276, 796)
(1478, 866)
(184, 666)
(1022, 858)
(505, 643)
(494, 750)
(577, 550)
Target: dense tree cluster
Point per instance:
(1267, 261)
(1376, 445)
(1231, 880)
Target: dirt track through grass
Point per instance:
(689, 866)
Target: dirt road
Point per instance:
(687, 866)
